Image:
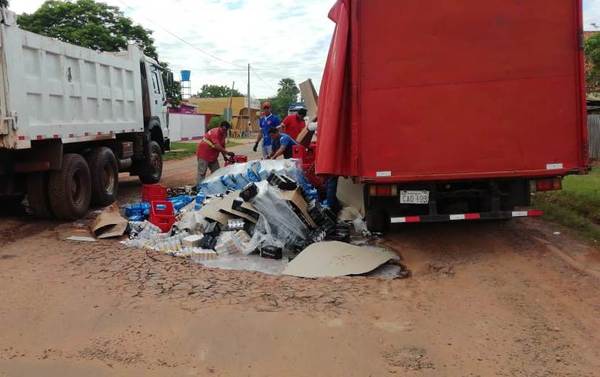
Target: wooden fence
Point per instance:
(594, 131)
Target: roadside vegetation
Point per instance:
(180, 150)
(577, 206)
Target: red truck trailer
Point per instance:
(453, 110)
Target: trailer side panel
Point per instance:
(57, 90)
(440, 90)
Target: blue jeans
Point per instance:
(267, 150)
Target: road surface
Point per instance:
(484, 299)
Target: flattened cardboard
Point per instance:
(351, 194)
(349, 214)
(305, 137)
(334, 259)
(310, 97)
(80, 239)
(311, 101)
(212, 211)
(249, 209)
(109, 223)
(226, 206)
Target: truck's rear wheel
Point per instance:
(151, 171)
(70, 189)
(378, 220)
(37, 195)
(104, 171)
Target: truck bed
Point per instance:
(55, 90)
(440, 90)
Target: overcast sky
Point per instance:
(280, 38)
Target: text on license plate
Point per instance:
(414, 197)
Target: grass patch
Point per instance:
(577, 206)
(180, 150)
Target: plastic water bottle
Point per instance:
(199, 200)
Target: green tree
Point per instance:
(89, 24)
(217, 91)
(592, 54)
(287, 94)
(215, 122)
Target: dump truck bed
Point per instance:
(452, 90)
(54, 90)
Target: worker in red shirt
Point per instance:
(210, 146)
(293, 124)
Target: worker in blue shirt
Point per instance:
(267, 122)
(283, 144)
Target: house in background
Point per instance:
(183, 108)
(244, 122)
(185, 123)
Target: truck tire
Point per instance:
(104, 171)
(151, 171)
(37, 195)
(378, 220)
(70, 189)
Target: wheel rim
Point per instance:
(156, 164)
(108, 178)
(76, 187)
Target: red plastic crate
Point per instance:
(237, 159)
(154, 192)
(162, 214)
(306, 155)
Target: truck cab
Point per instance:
(154, 102)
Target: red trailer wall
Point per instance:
(437, 89)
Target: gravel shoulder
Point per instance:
(485, 299)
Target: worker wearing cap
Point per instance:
(267, 122)
(210, 146)
(293, 124)
(283, 144)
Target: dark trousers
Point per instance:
(331, 193)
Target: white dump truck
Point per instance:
(72, 118)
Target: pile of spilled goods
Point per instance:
(258, 216)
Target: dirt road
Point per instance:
(485, 299)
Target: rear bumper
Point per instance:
(499, 215)
(496, 175)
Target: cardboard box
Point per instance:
(192, 241)
(299, 205)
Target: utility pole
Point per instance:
(249, 103)
(229, 108)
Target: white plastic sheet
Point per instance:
(280, 221)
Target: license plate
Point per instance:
(414, 197)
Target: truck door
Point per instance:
(158, 98)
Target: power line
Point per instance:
(181, 39)
(260, 77)
(270, 89)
